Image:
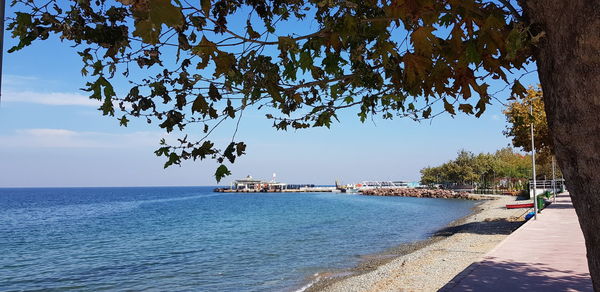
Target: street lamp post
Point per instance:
(535, 206)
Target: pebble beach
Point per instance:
(428, 265)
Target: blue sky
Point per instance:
(52, 135)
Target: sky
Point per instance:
(52, 135)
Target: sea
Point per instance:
(193, 239)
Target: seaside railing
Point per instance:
(547, 184)
(542, 186)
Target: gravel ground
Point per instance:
(430, 264)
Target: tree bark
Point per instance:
(568, 60)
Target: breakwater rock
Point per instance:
(422, 193)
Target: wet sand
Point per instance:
(429, 264)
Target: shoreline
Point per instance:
(428, 264)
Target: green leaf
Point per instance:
(471, 53)
(306, 61)
(514, 41)
(123, 121)
(97, 89)
(229, 152)
(224, 62)
(324, 119)
(21, 30)
(109, 91)
(162, 151)
(107, 107)
(173, 159)
(205, 48)
(149, 23)
(204, 150)
(222, 172)
(164, 12)
(173, 118)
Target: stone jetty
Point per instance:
(421, 193)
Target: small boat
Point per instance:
(516, 206)
(351, 190)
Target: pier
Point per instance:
(252, 185)
(286, 190)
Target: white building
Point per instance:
(250, 184)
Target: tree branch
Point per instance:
(512, 10)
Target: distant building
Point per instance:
(247, 183)
(255, 185)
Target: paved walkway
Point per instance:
(543, 255)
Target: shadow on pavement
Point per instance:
(490, 275)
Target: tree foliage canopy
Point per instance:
(482, 170)
(205, 62)
(519, 117)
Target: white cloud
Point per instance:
(47, 132)
(17, 80)
(50, 98)
(63, 138)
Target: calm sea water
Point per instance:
(191, 239)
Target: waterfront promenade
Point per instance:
(547, 254)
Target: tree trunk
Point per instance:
(568, 60)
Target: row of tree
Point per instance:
(483, 170)
(505, 169)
